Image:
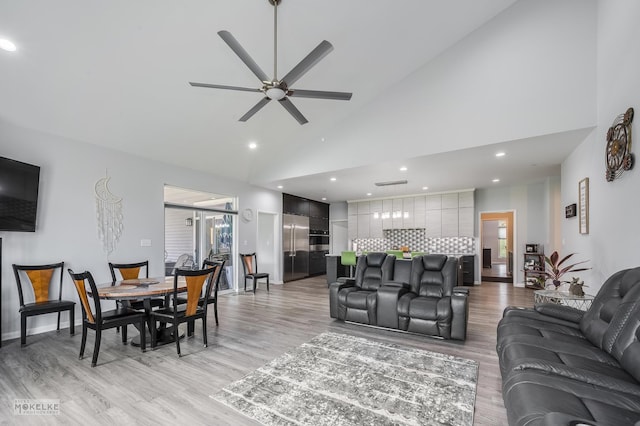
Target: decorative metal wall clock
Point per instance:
(618, 154)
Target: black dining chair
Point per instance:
(213, 297)
(190, 311)
(40, 278)
(130, 271)
(250, 267)
(98, 320)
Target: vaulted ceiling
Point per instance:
(438, 87)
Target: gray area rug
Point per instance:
(337, 379)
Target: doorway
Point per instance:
(198, 226)
(266, 248)
(497, 242)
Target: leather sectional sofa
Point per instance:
(417, 295)
(562, 366)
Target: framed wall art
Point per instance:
(583, 205)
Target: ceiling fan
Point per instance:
(278, 89)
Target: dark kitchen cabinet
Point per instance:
(295, 205)
(317, 262)
(467, 270)
(319, 225)
(318, 209)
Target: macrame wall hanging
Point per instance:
(618, 154)
(109, 215)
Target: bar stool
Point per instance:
(348, 258)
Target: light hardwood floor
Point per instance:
(157, 387)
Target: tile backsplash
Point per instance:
(417, 240)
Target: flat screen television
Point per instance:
(18, 195)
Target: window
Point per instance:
(502, 239)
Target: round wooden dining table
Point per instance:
(144, 289)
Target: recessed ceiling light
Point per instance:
(424, 188)
(324, 198)
(333, 179)
(495, 180)
(500, 154)
(280, 186)
(322, 139)
(403, 169)
(253, 145)
(368, 194)
(7, 45)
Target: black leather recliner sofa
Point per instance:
(561, 366)
(418, 295)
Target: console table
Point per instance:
(563, 298)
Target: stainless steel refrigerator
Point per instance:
(295, 244)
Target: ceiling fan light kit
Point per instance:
(278, 89)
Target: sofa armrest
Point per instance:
(334, 290)
(387, 304)
(461, 290)
(562, 312)
(460, 312)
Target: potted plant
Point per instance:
(555, 268)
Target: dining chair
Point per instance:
(213, 297)
(98, 320)
(130, 271)
(192, 310)
(40, 277)
(250, 267)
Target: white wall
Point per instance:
(66, 228)
(535, 221)
(614, 208)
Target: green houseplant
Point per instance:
(555, 268)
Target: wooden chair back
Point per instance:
(40, 277)
(128, 271)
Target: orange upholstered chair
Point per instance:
(40, 277)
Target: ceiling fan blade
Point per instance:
(257, 107)
(289, 106)
(243, 55)
(218, 86)
(308, 62)
(320, 94)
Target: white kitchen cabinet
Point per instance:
(465, 221)
(408, 218)
(363, 207)
(450, 201)
(396, 214)
(352, 209)
(387, 211)
(363, 225)
(449, 222)
(420, 211)
(434, 202)
(434, 223)
(465, 199)
(375, 219)
(352, 226)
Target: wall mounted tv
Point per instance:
(18, 195)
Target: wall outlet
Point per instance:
(145, 243)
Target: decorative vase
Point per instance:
(557, 284)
